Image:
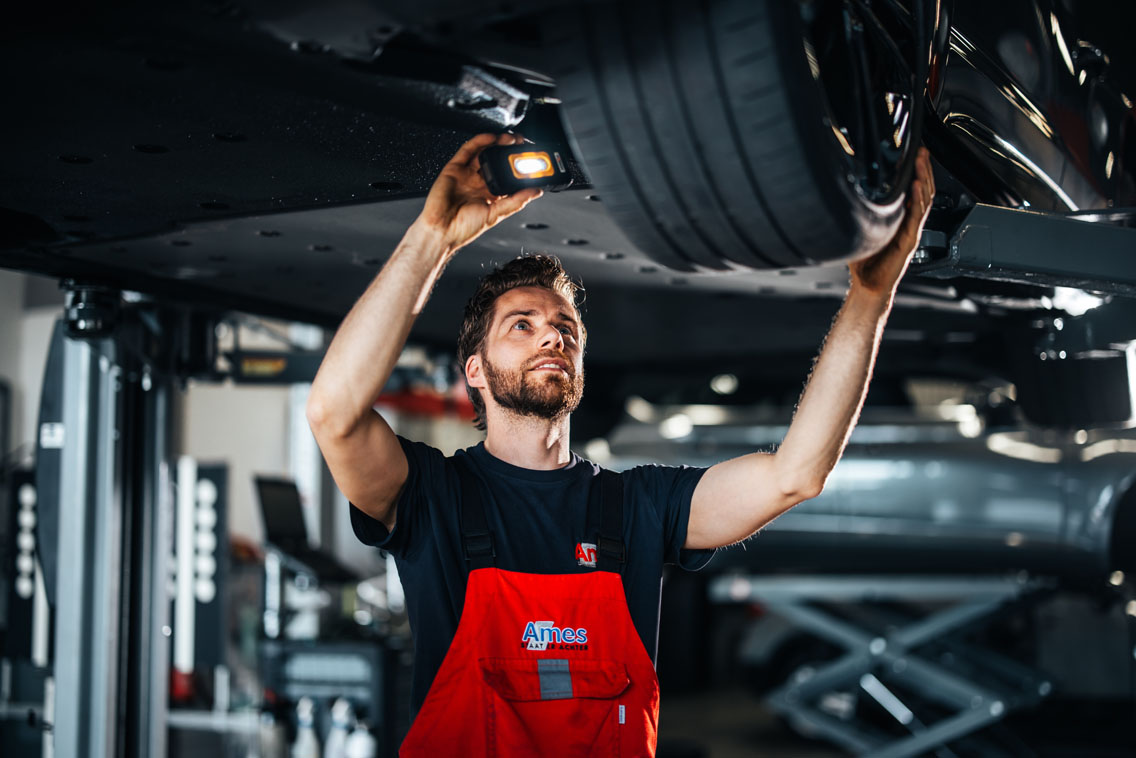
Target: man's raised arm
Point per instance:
(360, 448)
(736, 498)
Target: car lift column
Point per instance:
(147, 447)
(106, 415)
(89, 569)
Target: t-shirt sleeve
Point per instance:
(669, 490)
(426, 467)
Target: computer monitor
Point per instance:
(283, 512)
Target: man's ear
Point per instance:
(474, 376)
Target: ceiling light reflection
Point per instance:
(639, 409)
(598, 450)
(1107, 447)
(724, 384)
(1075, 302)
(1005, 444)
(676, 426)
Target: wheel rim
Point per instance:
(868, 90)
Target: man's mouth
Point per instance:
(551, 366)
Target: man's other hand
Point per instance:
(879, 273)
(460, 207)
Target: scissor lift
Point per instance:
(888, 654)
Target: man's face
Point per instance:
(533, 361)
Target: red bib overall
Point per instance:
(545, 665)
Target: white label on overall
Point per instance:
(622, 715)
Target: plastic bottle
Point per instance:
(342, 717)
(306, 744)
(361, 743)
(271, 739)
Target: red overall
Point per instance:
(545, 665)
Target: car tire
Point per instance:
(705, 132)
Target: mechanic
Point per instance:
(532, 576)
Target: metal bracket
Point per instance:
(90, 311)
(493, 97)
(1084, 251)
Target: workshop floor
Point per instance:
(729, 723)
(732, 723)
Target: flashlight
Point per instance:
(512, 168)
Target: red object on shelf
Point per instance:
(181, 686)
(427, 401)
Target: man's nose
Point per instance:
(551, 337)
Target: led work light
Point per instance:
(511, 168)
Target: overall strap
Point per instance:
(477, 542)
(610, 548)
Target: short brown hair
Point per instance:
(525, 271)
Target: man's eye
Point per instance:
(521, 325)
(566, 331)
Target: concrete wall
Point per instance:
(11, 309)
(245, 427)
(35, 338)
(25, 328)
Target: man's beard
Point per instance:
(548, 397)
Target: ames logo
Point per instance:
(586, 554)
(538, 635)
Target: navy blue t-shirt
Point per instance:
(537, 518)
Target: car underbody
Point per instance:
(187, 172)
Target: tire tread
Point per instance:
(689, 127)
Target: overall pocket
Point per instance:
(554, 707)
